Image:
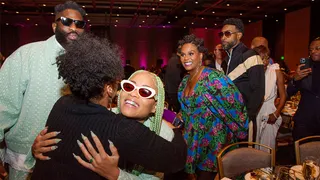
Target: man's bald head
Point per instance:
(259, 41)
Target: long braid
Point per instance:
(156, 119)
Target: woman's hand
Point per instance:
(44, 143)
(101, 163)
(272, 119)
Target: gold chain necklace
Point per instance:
(195, 74)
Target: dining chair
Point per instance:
(233, 162)
(308, 146)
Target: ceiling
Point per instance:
(151, 13)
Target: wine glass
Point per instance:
(310, 168)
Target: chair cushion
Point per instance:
(244, 159)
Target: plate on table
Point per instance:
(297, 172)
(259, 174)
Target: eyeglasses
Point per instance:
(226, 33)
(67, 22)
(315, 49)
(144, 92)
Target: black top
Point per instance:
(307, 114)
(135, 142)
(251, 83)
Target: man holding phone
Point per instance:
(307, 81)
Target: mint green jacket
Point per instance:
(29, 87)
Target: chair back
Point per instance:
(243, 159)
(304, 149)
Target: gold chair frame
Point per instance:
(219, 158)
(297, 146)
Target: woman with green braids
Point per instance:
(141, 98)
(93, 75)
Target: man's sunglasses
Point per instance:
(226, 33)
(67, 22)
(144, 92)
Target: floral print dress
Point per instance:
(214, 115)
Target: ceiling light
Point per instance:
(116, 20)
(249, 20)
(184, 27)
(119, 7)
(115, 25)
(277, 20)
(86, 14)
(2, 3)
(192, 23)
(17, 12)
(215, 24)
(7, 24)
(153, 9)
(139, 25)
(258, 7)
(90, 25)
(265, 15)
(143, 21)
(44, 5)
(213, 12)
(206, 28)
(117, 14)
(83, 6)
(28, 19)
(52, 13)
(176, 17)
(88, 20)
(228, 4)
(240, 14)
(169, 22)
(196, 2)
(148, 15)
(160, 0)
(185, 10)
(285, 9)
(36, 24)
(202, 18)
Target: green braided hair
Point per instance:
(156, 118)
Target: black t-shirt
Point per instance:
(316, 77)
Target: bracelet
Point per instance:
(275, 115)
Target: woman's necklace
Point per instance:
(195, 74)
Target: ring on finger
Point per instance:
(91, 160)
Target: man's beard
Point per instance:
(229, 45)
(62, 37)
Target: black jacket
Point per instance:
(308, 112)
(247, 72)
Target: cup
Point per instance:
(310, 168)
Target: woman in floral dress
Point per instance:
(212, 108)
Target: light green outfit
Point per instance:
(29, 88)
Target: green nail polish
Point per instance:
(54, 147)
(79, 143)
(58, 132)
(92, 134)
(75, 156)
(83, 137)
(110, 143)
(58, 140)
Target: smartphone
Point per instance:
(306, 62)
